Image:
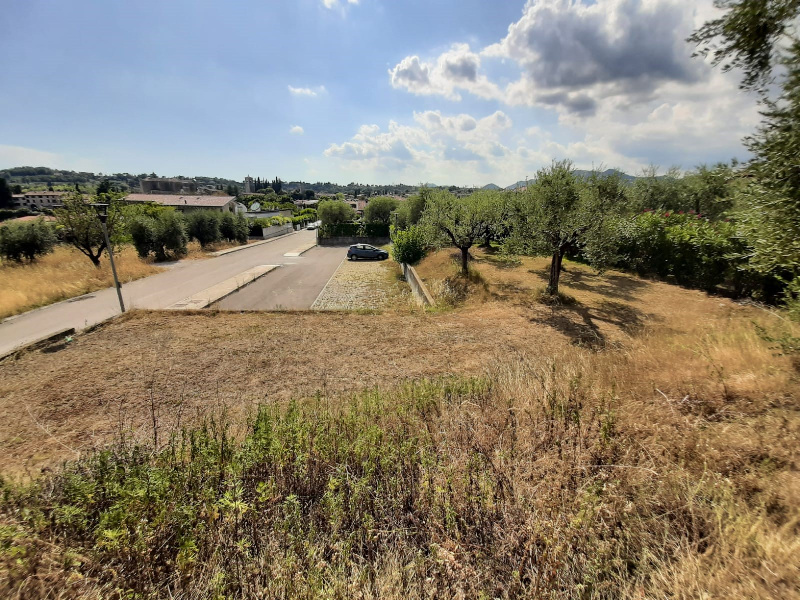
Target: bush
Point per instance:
(143, 233)
(695, 251)
(408, 245)
(234, 228)
(26, 240)
(170, 235)
(14, 213)
(163, 235)
(379, 210)
(203, 226)
(334, 212)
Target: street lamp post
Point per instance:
(102, 215)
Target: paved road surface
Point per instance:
(182, 280)
(294, 286)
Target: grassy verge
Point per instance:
(65, 273)
(522, 483)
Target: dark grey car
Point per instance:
(366, 251)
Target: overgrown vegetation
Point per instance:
(26, 240)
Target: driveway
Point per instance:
(184, 279)
(295, 286)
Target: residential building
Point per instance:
(38, 200)
(186, 203)
(162, 185)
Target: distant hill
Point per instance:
(491, 186)
(580, 173)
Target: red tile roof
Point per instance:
(177, 200)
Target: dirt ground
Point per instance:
(169, 367)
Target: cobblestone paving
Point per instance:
(362, 284)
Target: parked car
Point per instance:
(311, 226)
(366, 251)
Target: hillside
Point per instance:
(580, 173)
(639, 442)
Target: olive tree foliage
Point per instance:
(460, 222)
(163, 234)
(234, 228)
(410, 210)
(27, 240)
(203, 226)
(79, 225)
(333, 212)
(759, 38)
(379, 210)
(559, 214)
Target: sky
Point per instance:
(451, 92)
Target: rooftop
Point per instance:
(176, 200)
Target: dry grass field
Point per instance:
(65, 273)
(641, 442)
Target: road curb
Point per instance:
(253, 245)
(39, 343)
(223, 289)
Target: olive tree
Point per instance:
(79, 225)
(460, 221)
(333, 212)
(379, 210)
(559, 213)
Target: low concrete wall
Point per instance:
(275, 230)
(421, 292)
(349, 241)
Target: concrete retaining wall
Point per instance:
(350, 240)
(421, 292)
(275, 230)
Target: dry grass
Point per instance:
(65, 273)
(645, 441)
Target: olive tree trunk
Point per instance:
(555, 272)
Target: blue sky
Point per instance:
(374, 91)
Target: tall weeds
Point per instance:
(525, 482)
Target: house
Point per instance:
(159, 185)
(186, 203)
(38, 200)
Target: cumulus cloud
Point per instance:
(617, 74)
(571, 54)
(437, 146)
(296, 130)
(306, 91)
(456, 69)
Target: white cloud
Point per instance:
(456, 69)
(307, 91)
(331, 4)
(296, 130)
(617, 74)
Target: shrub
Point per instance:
(203, 226)
(695, 251)
(408, 245)
(379, 210)
(14, 213)
(170, 235)
(163, 235)
(26, 240)
(332, 212)
(143, 233)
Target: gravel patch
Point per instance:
(360, 284)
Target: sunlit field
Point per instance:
(65, 273)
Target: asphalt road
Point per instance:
(313, 269)
(294, 286)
